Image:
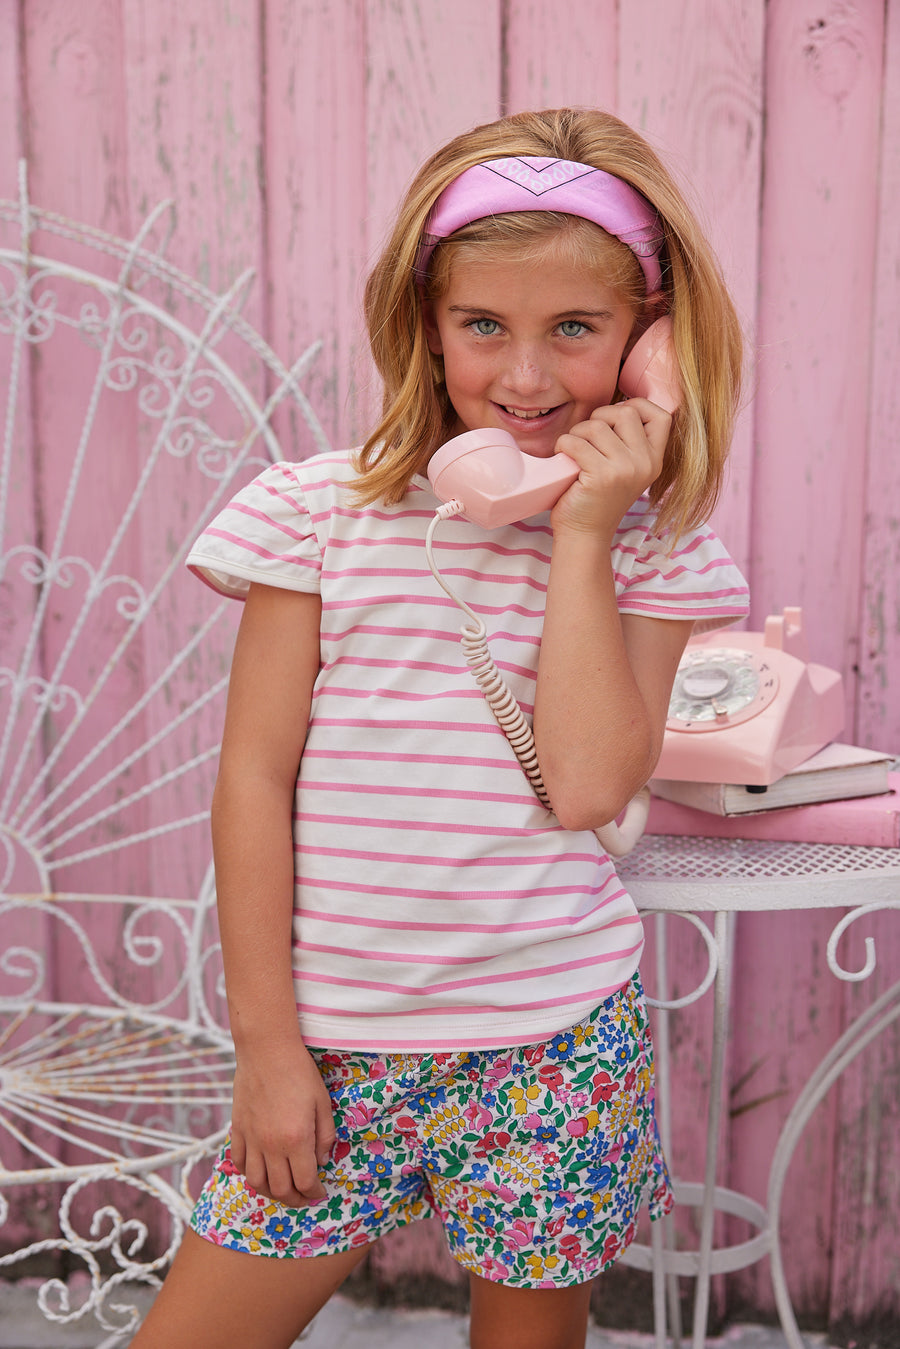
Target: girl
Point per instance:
(432, 978)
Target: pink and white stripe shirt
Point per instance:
(437, 904)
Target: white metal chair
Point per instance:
(135, 401)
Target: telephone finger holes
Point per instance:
(719, 687)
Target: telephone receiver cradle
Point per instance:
(497, 484)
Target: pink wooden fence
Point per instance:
(285, 131)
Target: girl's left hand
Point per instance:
(620, 452)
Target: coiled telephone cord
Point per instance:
(617, 839)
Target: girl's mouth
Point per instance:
(527, 414)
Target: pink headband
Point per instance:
(536, 184)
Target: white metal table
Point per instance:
(694, 877)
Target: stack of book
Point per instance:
(843, 794)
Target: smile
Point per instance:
(526, 414)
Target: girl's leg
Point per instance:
(528, 1318)
(215, 1298)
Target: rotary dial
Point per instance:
(717, 687)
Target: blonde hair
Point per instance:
(416, 414)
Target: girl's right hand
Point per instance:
(620, 452)
(282, 1128)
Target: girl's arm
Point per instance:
(281, 1127)
(604, 679)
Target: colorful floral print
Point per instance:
(537, 1158)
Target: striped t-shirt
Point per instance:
(437, 903)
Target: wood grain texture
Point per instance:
(194, 125)
(820, 164)
(17, 594)
(12, 109)
(878, 710)
(867, 1245)
(866, 1249)
(433, 71)
(818, 238)
(316, 205)
(690, 79)
(559, 59)
(74, 85)
(73, 80)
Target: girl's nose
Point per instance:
(526, 374)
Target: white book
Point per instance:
(838, 772)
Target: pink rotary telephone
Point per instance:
(750, 707)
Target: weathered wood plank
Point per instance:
(17, 595)
(866, 1249)
(194, 127)
(75, 126)
(316, 200)
(690, 79)
(74, 82)
(824, 66)
(818, 205)
(12, 111)
(878, 711)
(433, 72)
(557, 59)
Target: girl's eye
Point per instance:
(485, 327)
(572, 328)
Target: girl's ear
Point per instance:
(432, 333)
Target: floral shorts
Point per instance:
(536, 1159)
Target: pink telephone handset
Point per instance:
(496, 483)
(485, 476)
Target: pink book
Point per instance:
(869, 821)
